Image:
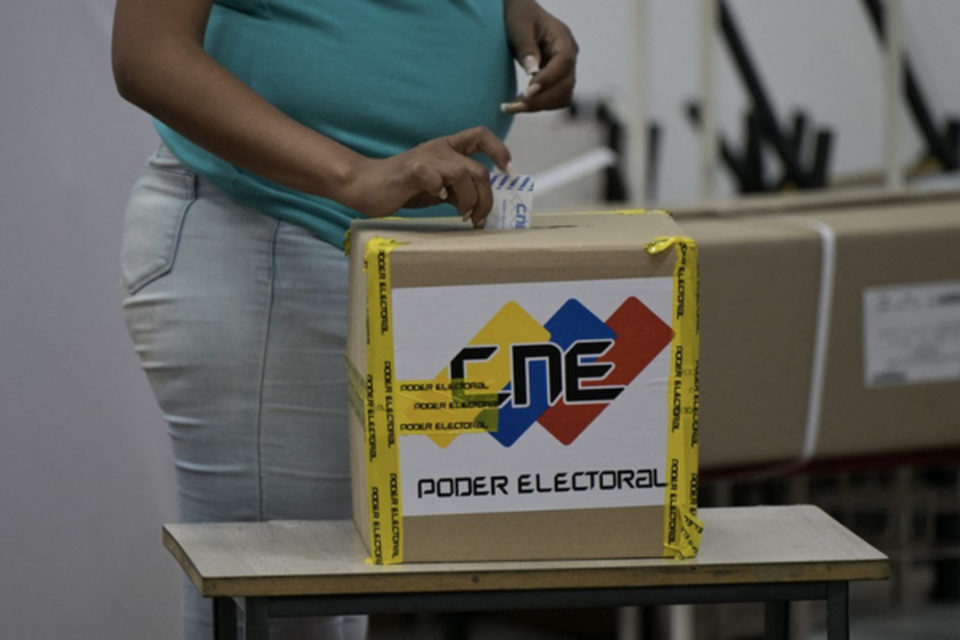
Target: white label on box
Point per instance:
(543, 457)
(911, 334)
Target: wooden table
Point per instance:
(773, 555)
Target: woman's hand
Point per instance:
(548, 52)
(434, 172)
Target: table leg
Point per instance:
(256, 619)
(682, 622)
(628, 623)
(777, 620)
(838, 611)
(455, 625)
(224, 619)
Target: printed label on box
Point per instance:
(537, 396)
(911, 334)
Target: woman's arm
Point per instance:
(159, 65)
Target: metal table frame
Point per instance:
(776, 596)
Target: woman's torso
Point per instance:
(379, 76)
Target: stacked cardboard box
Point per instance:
(890, 380)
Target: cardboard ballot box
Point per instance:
(524, 395)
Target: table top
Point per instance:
(740, 545)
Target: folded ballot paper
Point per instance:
(512, 202)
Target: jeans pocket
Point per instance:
(153, 220)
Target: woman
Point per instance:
(281, 121)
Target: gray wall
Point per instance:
(85, 480)
(85, 474)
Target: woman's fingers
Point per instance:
(481, 140)
(547, 50)
(554, 96)
(463, 190)
(481, 181)
(428, 180)
(477, 188)
(442, 170)
(559, 60)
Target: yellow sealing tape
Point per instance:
(682, 528)
(643, 212)
(382, 446)
(626, 212)
(443, 406)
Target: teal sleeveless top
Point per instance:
(379, 76)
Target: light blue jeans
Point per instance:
(240, 324)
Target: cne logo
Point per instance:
(562, 374)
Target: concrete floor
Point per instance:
(934, 622)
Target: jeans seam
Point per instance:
(263, 363)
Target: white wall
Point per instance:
(85, 474)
